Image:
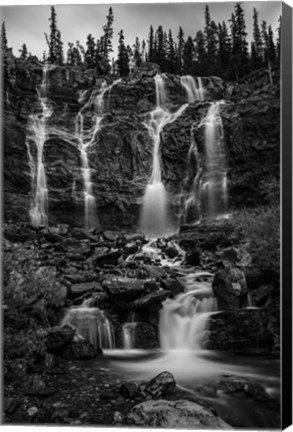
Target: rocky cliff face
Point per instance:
(120, 153)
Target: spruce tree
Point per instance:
(107, 47)
(188, 53)
(4, 43)
(23, 52)
(54, 42)
(123, 59)
(200, 54)
(179, 53)
(137, 53)
(90, 53)
(59, 49)
(151, 43)
(256, 55)
(239, 59)
(171, 61)
(278, 42)
(224, 51)
(159, 48)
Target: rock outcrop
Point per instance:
(121, 151)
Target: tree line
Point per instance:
(217, 49)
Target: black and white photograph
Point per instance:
(142, 215)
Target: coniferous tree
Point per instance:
(4, 49)
(200, 54)
(123, 59)
(224, 51)
(179, 52)
(59, 49)
(159, 55)
(171, 60)
(107, 46)
(90, 53)
(239, 59)
(137, 53)
(211, 41)
(23, 52)
(256, 52)
(143, 50)
(188, 53)
(151, 42)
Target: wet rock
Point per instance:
(117, 417)
(129, 390)
(111, 236)
(80, 349)
(9, 405)
(146, 336)
(57, 337)
(151, 301)
(192, 258)
(134, 237)
(171, 251)
(236, 384)
(78, 289)
(179, 414)
(160, 385)
(130, 248)
(173, 286)
(124, 288)
(107, 258)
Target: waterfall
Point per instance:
(128, 330)
(193, 87)
(85, 140)
(37, 134)
(184, 320)
(154, 217)
(92, 324)
(206, 192)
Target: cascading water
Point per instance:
(154, 217)
(85, 141)
(184, 320)
(92, 324)
(37, 134)
(206, 194)
(128, 330)
(193, 87)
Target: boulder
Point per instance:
(151, 301)
(146, 336)
(129, 390)
(108, 258)
(160, 385)
(124, 288)
(180, 414)
(173, 286)
(57, 337)
(80, 349)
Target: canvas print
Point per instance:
(141, 226)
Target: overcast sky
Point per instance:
(27, 24)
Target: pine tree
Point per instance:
(4, 43)
(200, 54)
(224, 51)
(179, 53)
(239, 59)
(59, 49)
(23, 52)
(151, 45)
(123, 59)
(256, 55)
(211, 41)
(171, 60)
(143, 50)
(54, 42)
(90, 53)
(188, 52)
(107, 47)
(137, 53)
(159, 48)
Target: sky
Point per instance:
(27, 24)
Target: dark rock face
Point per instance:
(245, 331)
(121, 154)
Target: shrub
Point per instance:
(261, 228)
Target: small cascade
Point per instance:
(184, 320)
(154, 217)
(37, 134)
(193, 87)
(86, 139)
(206, 193)
(92, 324)
(128, 330)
